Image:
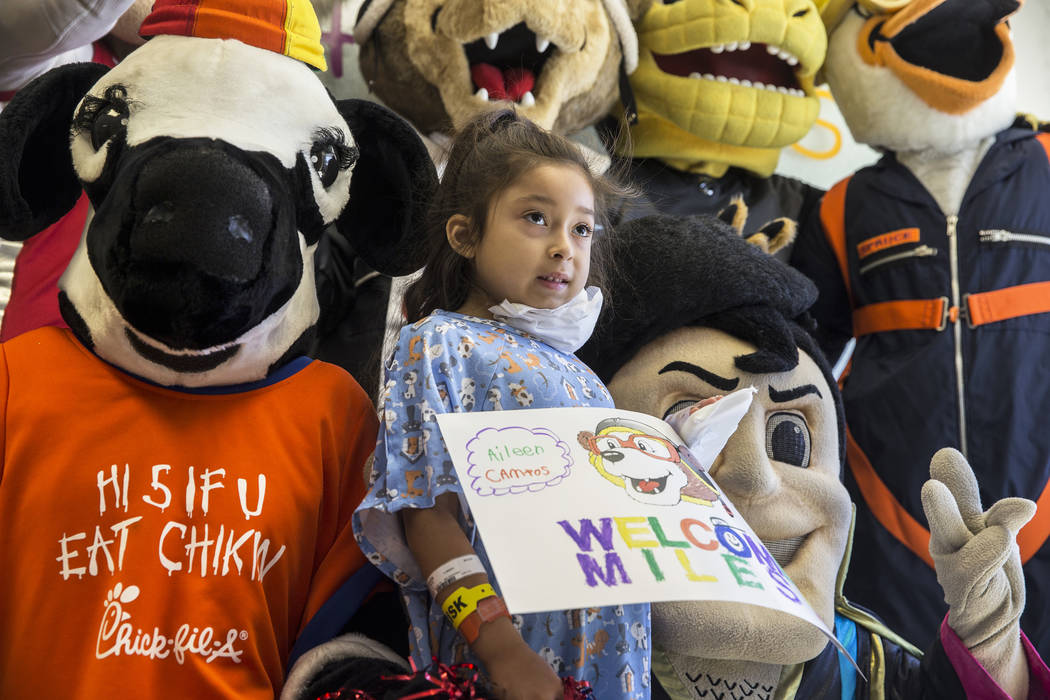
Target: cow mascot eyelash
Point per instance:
(176, 478)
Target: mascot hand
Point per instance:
(979, 567)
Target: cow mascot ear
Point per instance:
(392, 184)
(37, 181)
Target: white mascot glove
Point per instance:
(979, 567)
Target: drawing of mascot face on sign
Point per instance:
(647, 465)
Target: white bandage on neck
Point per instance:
(564, 328)
(453, 570)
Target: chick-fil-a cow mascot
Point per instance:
(176, 480)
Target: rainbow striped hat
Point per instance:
(286, 27)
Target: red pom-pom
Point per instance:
(577, 690)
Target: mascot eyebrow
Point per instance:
(720, 383)
(724, 384)
(791, 394)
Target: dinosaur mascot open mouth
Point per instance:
(440, 62)
(954, 54)
(505, 64)
(741, 76)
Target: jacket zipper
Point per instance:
(920, 252)
(953, 261)
(1000, 236)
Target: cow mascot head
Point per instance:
(213, 166)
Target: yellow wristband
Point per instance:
(463, 601)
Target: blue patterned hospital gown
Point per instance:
(451, 362)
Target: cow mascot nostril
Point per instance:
(178, 475)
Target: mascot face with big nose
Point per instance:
(670, 342)
(780, 468)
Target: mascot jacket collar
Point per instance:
(904, 186)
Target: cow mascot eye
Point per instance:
(330, 154)
(105, 117)
(113, 121)
(788, 439)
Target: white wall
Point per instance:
(1031, 29)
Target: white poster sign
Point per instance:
(585, 507)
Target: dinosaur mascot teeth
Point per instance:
(440, 62)
(698, 313)
(176, 474)
(721, 88)
(937, 259)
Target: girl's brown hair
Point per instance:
(487, 156)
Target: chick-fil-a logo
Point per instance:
(118, 636)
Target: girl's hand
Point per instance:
(516, 671)
(523, 675)
(434, 536)
(703, 402)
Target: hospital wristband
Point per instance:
(453, 570)
(464, 601)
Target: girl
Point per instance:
(493, 322)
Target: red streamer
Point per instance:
(457, 682)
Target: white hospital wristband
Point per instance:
(453, 570)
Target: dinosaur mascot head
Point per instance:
(916, 74)
(209, 195)
(723, 84)
(441, 62)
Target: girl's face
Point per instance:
(535, 247)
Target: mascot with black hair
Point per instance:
(699, 312)
(177, 480)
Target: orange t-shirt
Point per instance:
(163, 542)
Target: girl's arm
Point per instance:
(434, 537)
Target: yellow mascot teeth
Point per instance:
(729, 74)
